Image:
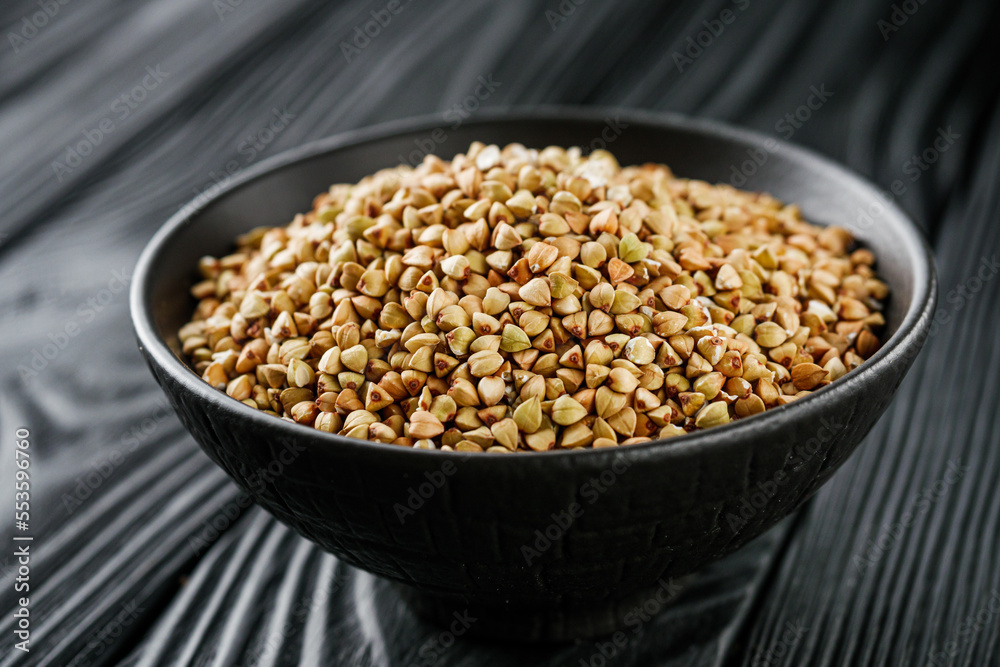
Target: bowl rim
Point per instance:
(908, 338)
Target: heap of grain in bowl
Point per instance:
(526, 300)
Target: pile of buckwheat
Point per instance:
(517, 299)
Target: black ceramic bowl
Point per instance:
(540, 546)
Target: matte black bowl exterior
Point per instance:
(551, 545)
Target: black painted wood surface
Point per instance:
(145, 554)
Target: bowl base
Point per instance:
(570, 621)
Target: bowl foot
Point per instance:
(572, 618)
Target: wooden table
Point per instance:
(114, 114)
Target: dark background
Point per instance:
(142, 553)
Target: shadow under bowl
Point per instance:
(556, 545)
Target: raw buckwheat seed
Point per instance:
(525, 300)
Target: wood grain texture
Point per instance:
(144, 554)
